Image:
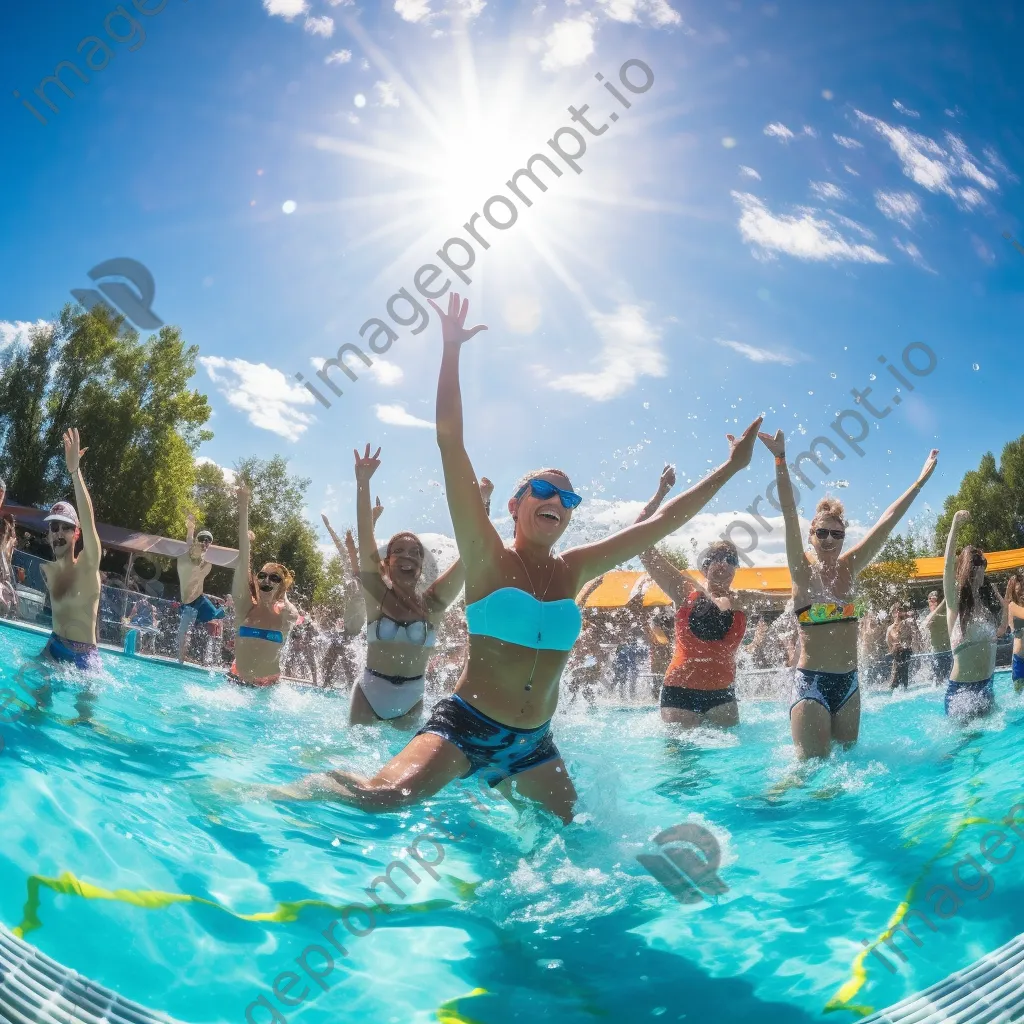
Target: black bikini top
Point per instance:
(707, 621)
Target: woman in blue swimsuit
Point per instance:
(522, 620)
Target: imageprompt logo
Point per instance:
(134, 302)
(688, 863)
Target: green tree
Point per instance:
(889, 577)
(994, 495)
(132, 404)
(675, 555)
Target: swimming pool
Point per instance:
(132, 853)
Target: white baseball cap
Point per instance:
(62, 512)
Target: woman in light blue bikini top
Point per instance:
(520, 600)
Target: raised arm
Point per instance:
(860, 555)
(475, 535)
(590, 559)
(940, 609)
(952, 595)
(366, 466)
(447, 587)
(73, 453)
(190, 530)
(795, 556)
(677, 585)
(240, 587)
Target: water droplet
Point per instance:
(871, 376)
(832, 375)
(647, 405)
(810, 392)
(625, 465)
(975, 366)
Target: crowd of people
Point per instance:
(498, 657)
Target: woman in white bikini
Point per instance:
(826, 697)
(972, 628)
(401, 624)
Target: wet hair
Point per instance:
(935, 594)
(527, 477)
(829, 508)
(964, 588)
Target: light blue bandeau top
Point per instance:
(517, 617)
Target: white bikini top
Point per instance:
(386, 630)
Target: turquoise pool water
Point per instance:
(148, 803)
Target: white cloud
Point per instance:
(342, 3)
(846, 142)
(338, 57)
(826, 190)
(521, 313)
(808, 130)
(397, 416)
(983, 251)
(18, 331)
(630, 349)
(778, 130)
(932, 166)
(320, 26)
(852, 225)
(749, 172)
(286, 9)
(269, 399)
(905, 110)
(385, 373)
(914, 253)
(413, 10)
(658, 12)
(569, 43)
(804, 235)
(757, 355)
(903, 207)
(386, 95)
(850, 170)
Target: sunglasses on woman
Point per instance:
(821, 533)
(726, 556)
(61, 528)
(269, 577)
(544, 490)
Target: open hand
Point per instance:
(486, 489)
(453, 323)
(668, 479)
(776, 445)
(242, 490)
(741, 449)
(961, 517)
(366, 465)
(72, 451)
(929, 466)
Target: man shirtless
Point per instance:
(193, 568)
(74, 583)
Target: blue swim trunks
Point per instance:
(970, 700)
(499, 751)
(1017, 669)
(205, 609)
(72, 652)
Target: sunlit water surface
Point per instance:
(540, 923)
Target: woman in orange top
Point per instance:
(710, 623)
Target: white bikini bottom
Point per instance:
(391, 696)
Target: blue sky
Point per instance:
(802, 189)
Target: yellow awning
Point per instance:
(617, 585)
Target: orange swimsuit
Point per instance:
(704, 664)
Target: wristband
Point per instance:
(780, 460)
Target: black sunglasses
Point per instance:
(61, 527)
(270, 577)
(724, 556)
(821, 533)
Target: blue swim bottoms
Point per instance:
(1017, 668)
(499, 751)
(969, 700)
(72, 652)
(205, 609)
(829, 689)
